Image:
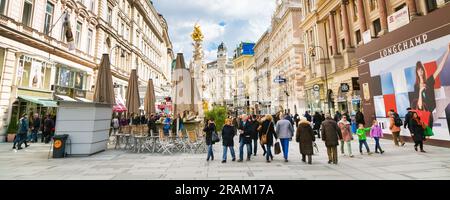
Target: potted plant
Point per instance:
(12, 129)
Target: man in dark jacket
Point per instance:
(35, 127)
(331, 134)
(254, 134)
(407, 123)
(245, 131)
(49, 124)
(359, 118)
(337, 116)
(317, 120)
(308, 117)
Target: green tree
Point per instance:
(219, 114)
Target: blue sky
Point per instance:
(231, 21)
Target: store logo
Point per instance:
(345, 87)
(405, 45)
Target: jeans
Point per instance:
(377, 144)
(225, 148)
(210, 152)
(332, 154)
(22, 138)
(349, 147)
(342, 147)
(255, 146)
(241, 150)
(285, 145)
(268, 151)
(33, 135)
(361, 143)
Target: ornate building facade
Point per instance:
(286, 58)
(220, 79)
(37, 66)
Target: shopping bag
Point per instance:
(277, 148)
(428, 132)
(215, 137)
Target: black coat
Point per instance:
(407, 123)
(48, 125)
(254, 134)
(246, 136)
(152, 125)
(305, 137)
(418, 131)
(228, 133)
(359, 118)
(270, 133)
(209, 129)
(317, 120)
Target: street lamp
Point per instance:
(313, 54)
(122, 54)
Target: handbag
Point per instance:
(277, 148)
(263, 139)
(215, 137)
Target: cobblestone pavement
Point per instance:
(396, 163)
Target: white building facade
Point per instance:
(37, 66)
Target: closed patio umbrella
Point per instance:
(133, 102)
(150, 99)
(185, 94)
(104, 89)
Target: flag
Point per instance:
(68, 32)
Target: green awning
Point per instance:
(37, 100)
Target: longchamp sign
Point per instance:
(402, 46)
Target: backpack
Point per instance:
(397, 121)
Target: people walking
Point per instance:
(260, 134)
(285, 132)
(21, 136)
(305, 137)
(254, 134)
(317, 121)
(418, 129)
(347, 137)
(337, 116)
(394, 125)
(49, 126)
(408, 117)
(35, 127)
(268, 131)
(228, 133)
(209, 129)
(308, 116)
(376, 133)
(245, 131)
(361, 132)
(359, 117)
(331, 134)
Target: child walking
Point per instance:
(361, 132)
(376, 133)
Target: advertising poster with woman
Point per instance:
(416, 78)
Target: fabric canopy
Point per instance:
(150, 99)
(104, 89)
(133, 100)
(37, 100)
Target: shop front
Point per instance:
(410, 68)
(34, 94)
(71, 84)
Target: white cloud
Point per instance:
(245, 20)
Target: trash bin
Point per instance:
(59, 146)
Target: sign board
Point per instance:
(316, 88)
(367, 37)
(398, 19)
(279, 79)
(345, 87)
(355, 83)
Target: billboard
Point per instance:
(416, 74)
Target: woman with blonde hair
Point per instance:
(268, 131)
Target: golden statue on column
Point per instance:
(197, 66)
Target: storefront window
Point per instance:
(34, 73)
(70, 78)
